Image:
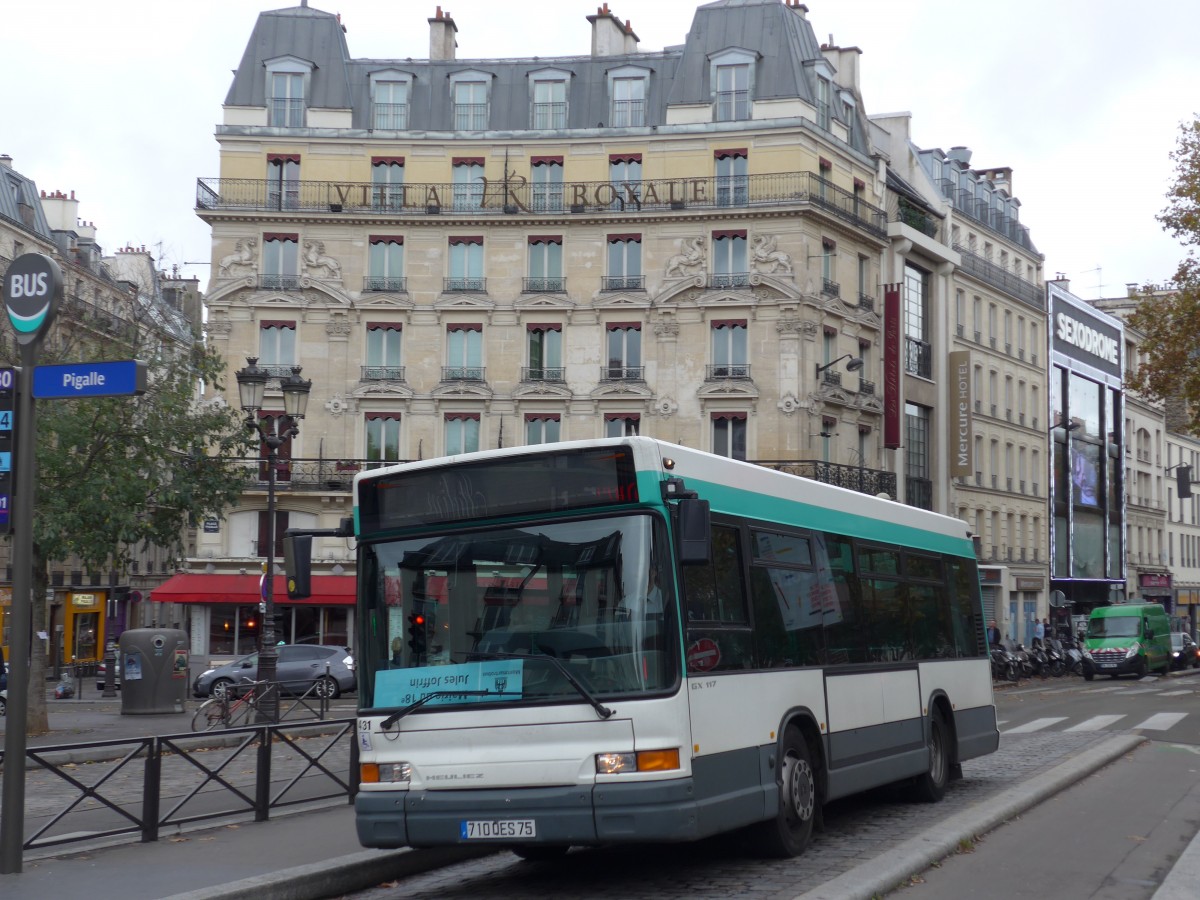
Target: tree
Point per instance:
(1169, 318)
(119, 473)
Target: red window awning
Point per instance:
(327, 590)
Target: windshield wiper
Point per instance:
(413, 707)
(601, 710)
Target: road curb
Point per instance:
(335, 877)
(890, 870)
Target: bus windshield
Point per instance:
(556, 612)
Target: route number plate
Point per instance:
(497, 829)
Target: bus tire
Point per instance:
(788, 833)
(931, 786)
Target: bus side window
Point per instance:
(716, 606)
(845, 634)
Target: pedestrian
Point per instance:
(1039, 632)
(993, 633)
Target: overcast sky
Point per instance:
(1081, 98)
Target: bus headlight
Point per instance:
(385, 773)
(641, 761)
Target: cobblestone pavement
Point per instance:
(856, 830)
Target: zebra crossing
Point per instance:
(1159, 721)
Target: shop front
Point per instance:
(225, 612)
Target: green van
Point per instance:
(1127, 637)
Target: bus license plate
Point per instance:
(497, 829)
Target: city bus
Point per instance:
(623, 640)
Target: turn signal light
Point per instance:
(384, 773)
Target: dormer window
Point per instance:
(731, 79)
(628, 102)
(824, 89)
(470, 106)
(389, 108)
(287, 79)
(549, 104)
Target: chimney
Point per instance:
(960, 154)
(631, 39)
(608, 34)
(61, 211)
(5, 160)
(441, 36)
(799, 7)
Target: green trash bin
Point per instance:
(154, 671)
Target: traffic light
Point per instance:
(1183, 481)
(416, 635)
(297, 565)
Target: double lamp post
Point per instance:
(274, 432)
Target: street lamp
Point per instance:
(854, 365)
(252, 387)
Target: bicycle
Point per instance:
(232, 708)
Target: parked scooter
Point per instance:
(1074, 656)
(1004, 665)
(1056, 660)
(1025, 664)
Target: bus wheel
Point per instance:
(931, 787)
(541, 852)
(789, 832)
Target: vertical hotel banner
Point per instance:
(892, 399)
(959, 420)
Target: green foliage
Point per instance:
(1170, 320)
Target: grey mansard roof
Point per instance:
(779, 37)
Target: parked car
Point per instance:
(102, 671)
(1184, 651)
(300, 667)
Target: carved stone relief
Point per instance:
(242, 257)
(315, 258)
(767, 259)
(685, 263)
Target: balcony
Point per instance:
(385, 283)
(279, 282)
(628, 113)
(725, 280)
(391, 116)
(855, 478)
(462, 373)
(722, 371)
(495, 197)
(918, 358)
(621, 373)
(903, 210)
(866, 303)
(309, 474)
(381, 373)
(553, 284)
(1001, 279)
(464, 286)
(556, 374)
(623, 283)
(470, 116)
(830, 288)
(549, 116)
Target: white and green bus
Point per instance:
(624, 640)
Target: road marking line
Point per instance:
(1162, 721)
(1131, 691)
(1035, 725)
(1095, 723)
(1173, 693)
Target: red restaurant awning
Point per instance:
(327, 590)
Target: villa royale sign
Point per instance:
(961, 445)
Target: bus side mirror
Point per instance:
(695, 532)
(297, 565)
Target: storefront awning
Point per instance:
(327, 590)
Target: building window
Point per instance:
(730, 354)
(383, 437)
(390, 111)
(733, 182)
(730, 268)
(624, 352)
(464, 352)
(622, 425)
(283, 181)
(383, 352)
(729, 434)
(549, 105)
(733, 93)
(281, 262)
(823, 92)
(545, 265)
(547, 184)
(385, 263)
(544, 348)
(829, 283)
(277, 347)
(467, 187)
(462, 432)
(625, 175)
(542, 428)
(387, 182)
(919, 487)
(624, 263)
(918, 358)
(466, 264)
(286, 104)
(470, 106)
(628, 103)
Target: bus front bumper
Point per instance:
(588, 815)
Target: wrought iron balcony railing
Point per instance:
(855, 478)
(866, 303)
(621, 373)
(830, 288)
(720, 280)
(918, 357)
(721, 371)
(385, 283)
(381, 373)
(998, 277)
(554, 284)
(623, 283)
(462, 373)
(543, 373)
(279, 282)
(391, 116)
(464, 286)
(549, 115)
(309, 474)
(498, 197)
